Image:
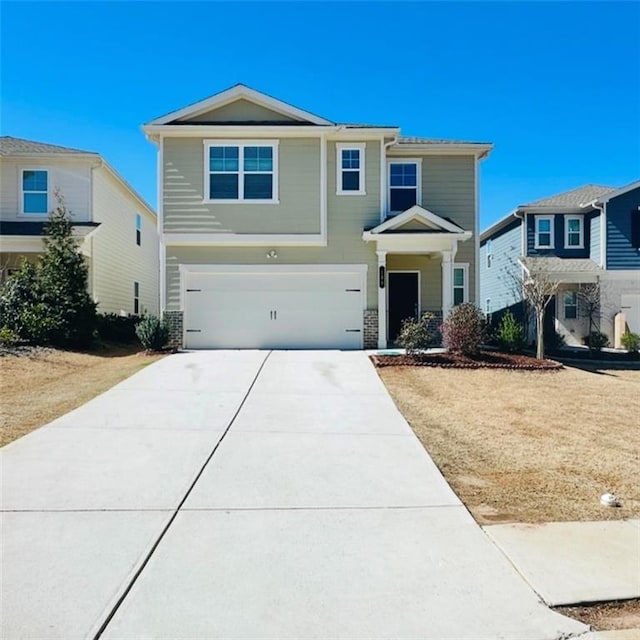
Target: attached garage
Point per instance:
(273, 306)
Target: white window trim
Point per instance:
(241, 144)
(21, 191)
(418, 163)
(345, 146)
(138, 223)
(566, 232)
(564, 304)
(465, 285)
(537, 245)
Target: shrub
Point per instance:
(464, 330)
(417, 334)
(631, 341)
(115, 328)
(597, 340)
(554, 341)
(8, 337)
(152, 333)
(510, 334)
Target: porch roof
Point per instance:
(564, 269)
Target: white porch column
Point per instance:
(447, 282)
(382, 302)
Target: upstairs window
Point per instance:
(138, 229)
(544, 232)
(570, 305)
(350, 162)
(35, 192)
(573, 232)
(404, 185)
(242, 172)
(460, 289)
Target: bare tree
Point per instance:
(538, 289)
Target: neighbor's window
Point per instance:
(350, 162)
(573, 232)
(489, 254)
(136, 298)
(460, 283)
(35, 192)
(544, 232)
(242, 172)
(487, 306)
(404, 185)
(570, 305)
(138, 229)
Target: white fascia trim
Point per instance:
(274, 268)
(580, 218)
(478, 150)
(361, 147)
(282, 131)
(22, 244)
(368, 236)
(235, 93)
(243, 240)
(417, 213)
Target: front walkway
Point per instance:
(243, 495)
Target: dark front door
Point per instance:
(403, 300)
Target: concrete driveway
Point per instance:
(248, 495)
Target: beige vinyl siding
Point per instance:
(239, 111)
(299, 193)
(117, 261)
(430, 268)
(347, 216)
(73, 179)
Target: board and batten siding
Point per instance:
(298, 210)
(117, 261)
(621, 254)
(347, 217)
(498, 282)
(72, 179)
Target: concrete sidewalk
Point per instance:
(319, 515)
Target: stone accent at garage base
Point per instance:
(173, 319)
(371, 329)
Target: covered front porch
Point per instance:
(417, 269)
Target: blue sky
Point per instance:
(554, 85)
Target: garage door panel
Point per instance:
(274, 310)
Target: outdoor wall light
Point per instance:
(381, 272)
(272, 254)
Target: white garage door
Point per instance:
(273, 309)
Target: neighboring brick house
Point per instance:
(280, 228)
(587, 235)
(116, 229)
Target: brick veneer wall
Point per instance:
(173, 319)
(371, 329)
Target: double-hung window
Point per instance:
(570, 305)
(35, 192)
(544, 232)
(573, 232)
(404, 185)
(241, 171)
(138, 229)
(350, 162)
(136, 298)
(460, 283)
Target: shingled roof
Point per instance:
(416, 140)
(10, 146)
(573, 198)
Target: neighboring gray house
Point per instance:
(116, 229)
(280, 228)
(587, 235)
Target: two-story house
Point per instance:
(280, 228)
(587, 235)
(116, 229)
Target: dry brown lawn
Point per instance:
(38, 385)
(520, 446)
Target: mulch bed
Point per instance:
(484, 360)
